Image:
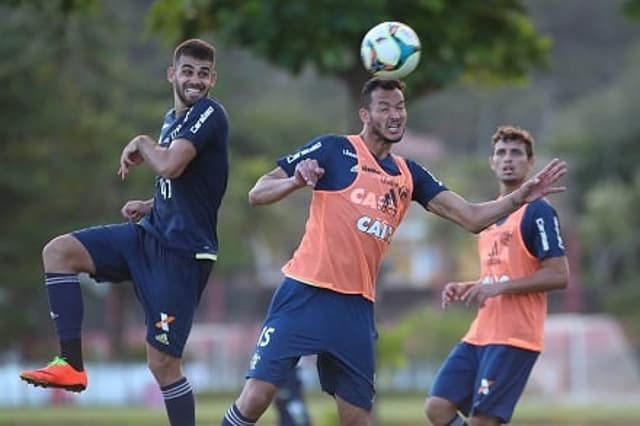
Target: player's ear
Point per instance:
(171, 73)
(491, 163)
(364, 115)
(214, 77)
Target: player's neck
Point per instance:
(378, 147)
(507, 188)
(179, 108)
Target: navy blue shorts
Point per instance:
(168, 284)
(486, 379)
(339, 328)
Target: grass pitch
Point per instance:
(392, 410)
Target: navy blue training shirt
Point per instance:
(540, 229)
(338, 158)
(185, 209)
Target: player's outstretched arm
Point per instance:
(475, 217)
(276, 184)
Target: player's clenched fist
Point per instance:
(308, 172)
(134, 210)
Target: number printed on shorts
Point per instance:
(265, 336)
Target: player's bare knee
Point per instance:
(354, 418)
(352, 415)
(439, 411)
(165, 368)
(65, 254)
(159, 363)
(55, 255)
(480, 419)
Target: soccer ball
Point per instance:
(390, 50)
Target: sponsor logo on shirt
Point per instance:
(543, 234)
(387, 203)
(375, 227)
(203, 117)
(293, 157)
(492, 279)
(556, 227)
(172, 135)
(395, 183)
(368, 169)
(349, 153)
(363, 197)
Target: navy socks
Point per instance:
(66, 309)
(234, 417)
(180, 403)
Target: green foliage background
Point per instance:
(80, 78)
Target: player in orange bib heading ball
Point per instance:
(361, 193)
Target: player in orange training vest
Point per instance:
(361, 192)
(522, 258)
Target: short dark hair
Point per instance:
(195, 48)
(514, 133)
(375, 83)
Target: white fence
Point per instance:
(586, 359)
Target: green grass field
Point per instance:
(393, 410)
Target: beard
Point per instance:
(186, 101)
(379, 132)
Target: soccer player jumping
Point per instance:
(168, 247)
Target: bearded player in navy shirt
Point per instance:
(168, 247)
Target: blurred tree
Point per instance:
(599, 135)
(632, 8)
(492, 41)
(411, 341)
